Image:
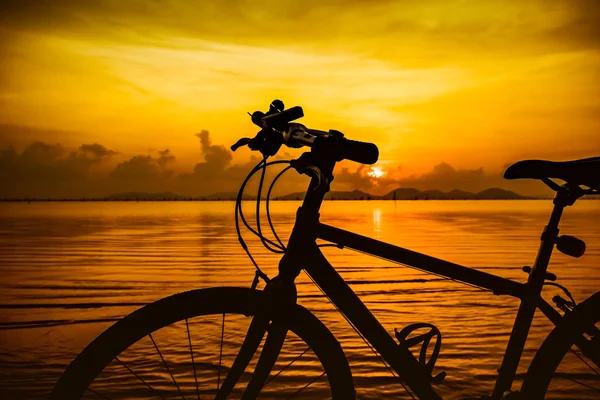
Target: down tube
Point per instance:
(400, 359)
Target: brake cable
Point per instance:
(280, 248)
(259, 272)
(267, 203)
(262, 164)
(239, 214)
(564, 289)
(269, 212)
(239, 200)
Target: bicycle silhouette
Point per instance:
(275, 313)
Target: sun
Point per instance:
(376, 172)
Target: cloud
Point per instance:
(344, 179)
(136, 169)
(143, 173)
(444, 177)
(98, 151)
(43, 154)
(49, 170)
(216, 157)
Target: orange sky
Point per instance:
(468, 83)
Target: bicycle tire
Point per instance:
(557, 344)
(101, 351)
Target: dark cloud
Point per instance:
(143, 173)
(43, 170)
(49, 170)
(43, 154)
(98, 151)
(345, 179)
(165, 158)
(137, 169)
(217, 157)
(444, 177)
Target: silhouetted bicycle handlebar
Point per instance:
(277, 129)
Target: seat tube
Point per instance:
(529, 301)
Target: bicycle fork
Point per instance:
(269, 319)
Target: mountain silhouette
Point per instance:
(146, 196)
(497, 193)
(397, 194)
(456, 194)
(333, 195)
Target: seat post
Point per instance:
(548, 239)
(565, 196)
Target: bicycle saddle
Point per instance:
(577, 172)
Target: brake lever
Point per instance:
(242, 142)
(266, 141)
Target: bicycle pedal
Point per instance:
(424, 339)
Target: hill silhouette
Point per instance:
(146, 196)
(456, 194)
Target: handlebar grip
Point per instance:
(361, 152)
(279, 119)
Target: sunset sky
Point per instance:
(105, 96)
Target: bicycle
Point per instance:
(274, 311)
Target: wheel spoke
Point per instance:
(286, 367)
(140, 378)
(585, 362)
(255, 334)
(166, 366)
(307, 385)
(192, 354)
(268, 356)
(580, 383)
(221, 352)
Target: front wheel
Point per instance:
(567, 365)
(189, 345)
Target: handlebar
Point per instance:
(277, 129)
(298, 135)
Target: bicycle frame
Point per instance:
(303, 253)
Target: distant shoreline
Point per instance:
(231, 200)
(400, 194)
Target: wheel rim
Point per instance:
(159, 364)
(567, 365)
(576, 377)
